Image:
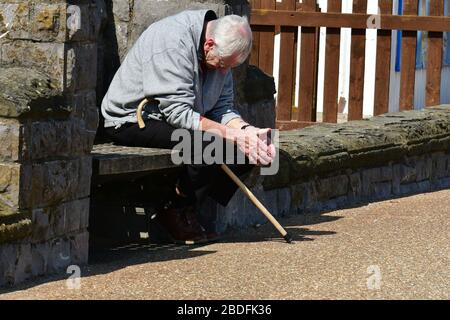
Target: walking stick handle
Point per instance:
(141, 106)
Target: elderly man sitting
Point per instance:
(182, 64)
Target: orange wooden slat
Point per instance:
(408, 64)
(287, 65)
(383, 67)
(357, 66)
(331, 82)
(266, 41)
(254, 55)
(348, 20)
(308, 68)
(434, 59)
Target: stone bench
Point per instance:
(110, 159)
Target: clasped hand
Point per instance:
(255, 143)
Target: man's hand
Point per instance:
(254, 144)
(264, 136)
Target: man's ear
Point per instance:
(209, 44)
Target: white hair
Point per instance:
(233, 36)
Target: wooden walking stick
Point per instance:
(257, 203)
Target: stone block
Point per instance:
(42, 139)
(297, 197)
(41, 226)
(14, 17)
(23, 268)
(332, 187)
(381, 190)
(283, 201)
(10, 184)
(424, 186)
(84, 104)
(48, 22)
(69, 217)
(311, 198)
(423, 166)
(84, 177)
(8, 257)
(46, 57)
(27, 93)
(122, 10)
(44, 184)
(79, 248)
(355, 185)
(410, 188)
(56, 182)
(402, 174)
(375, 175)
(10, 133)
(81, 67)
(45, 139)
(439, 165)
(59, 255)
(52, 21)
(39, 254)
(84, 20)
(443, 183)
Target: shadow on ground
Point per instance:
(106, 257)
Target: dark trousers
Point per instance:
(196, 180)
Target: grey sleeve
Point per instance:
(169, 78)
(223, 112)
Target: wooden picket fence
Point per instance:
(270, 17)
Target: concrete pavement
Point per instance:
(396, 249)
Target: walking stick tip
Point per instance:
(288, 238)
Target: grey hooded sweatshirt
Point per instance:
(164, 65)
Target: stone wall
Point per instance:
(330, 166)
(48, 121)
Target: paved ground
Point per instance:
(401, 247)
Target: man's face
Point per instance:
(214, 62)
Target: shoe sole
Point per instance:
(181, 242)
(190, 242)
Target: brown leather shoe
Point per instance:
(182, 225)
(191, 215)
